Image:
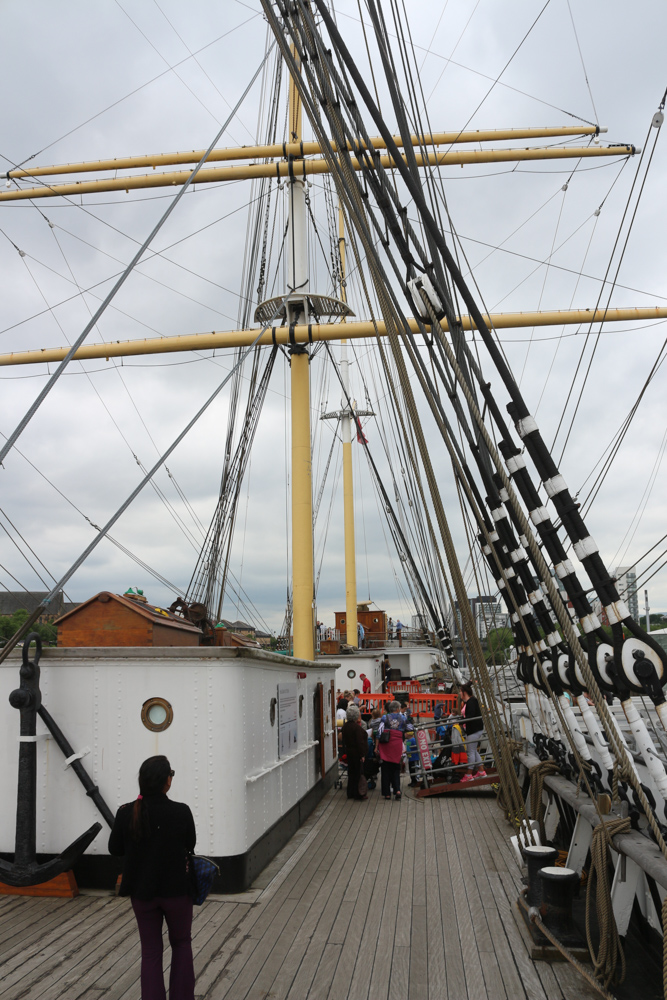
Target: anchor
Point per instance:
(25, 870)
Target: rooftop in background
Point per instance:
(239, 626)
(24, 600)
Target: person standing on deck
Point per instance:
(154, 836)
(367, 686)
(392, 727)
(474, 729)
(361, 632)
(399, 631)
(385, 666)
(355, 747)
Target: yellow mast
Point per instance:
(348, 484)
(292, 149)
(303, 578)
(303, 334)
(317, 165)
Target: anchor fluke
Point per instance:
(34, 874)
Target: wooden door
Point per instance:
(334, 725)
(318, 718)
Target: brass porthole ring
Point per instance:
(157, 714)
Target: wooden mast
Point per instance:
(303, 577)
(348, 482)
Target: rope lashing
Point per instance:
(584, 767)
(620, 772)
(610, 952)
(582, 970)
(537, 774)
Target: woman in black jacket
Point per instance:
(154, 836)
(355, 746)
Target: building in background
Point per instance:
(488, 614)
(23, 600)
(626, 584)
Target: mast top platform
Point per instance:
(321, 306)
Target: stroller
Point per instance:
(342, 770)
(371, 769)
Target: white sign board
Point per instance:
(287, 727)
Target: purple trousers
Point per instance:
(177, 910)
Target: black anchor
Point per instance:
(25, 870)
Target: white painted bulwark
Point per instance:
(412, 661)
(222, 743)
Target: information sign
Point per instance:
(287, 726)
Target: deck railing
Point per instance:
(419, 703)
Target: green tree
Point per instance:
(498, 640)
(10, 623)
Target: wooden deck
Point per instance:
(369, 901)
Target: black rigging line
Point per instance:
(611, 290)
(130, 94)
(392, 519)
(469, 69)
(525, 424)
(13, 437)
(619, 437)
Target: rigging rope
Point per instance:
(23, 423)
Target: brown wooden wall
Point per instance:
(374, 622)
(165, 636)
(108, 624)
(112, 624)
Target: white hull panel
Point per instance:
(221, 743)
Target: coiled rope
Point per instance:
(537, 774)
(605, 962)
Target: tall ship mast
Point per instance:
(370, 392)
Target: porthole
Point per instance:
(157, 714)
(342, 621)
(272, 711)
(375, 621)
(351, 674)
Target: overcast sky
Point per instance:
(112, 79)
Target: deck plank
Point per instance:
(396, 813)
(363, 969)
(474, 875)
(572, 983)
(48, 957)
(378, 901)
(339, 884)
(449, 930)
(460, 909)
(507, 964)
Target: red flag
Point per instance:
(360, 434)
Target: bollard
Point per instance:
(558, 885)
(537, 858)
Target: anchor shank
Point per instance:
(26, 801)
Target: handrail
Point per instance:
(250, 778)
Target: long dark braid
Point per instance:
(153, 775)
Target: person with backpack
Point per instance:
(155, 837)
(391, 731)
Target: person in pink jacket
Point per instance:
(391, 732)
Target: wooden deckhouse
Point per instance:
(121, 620)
